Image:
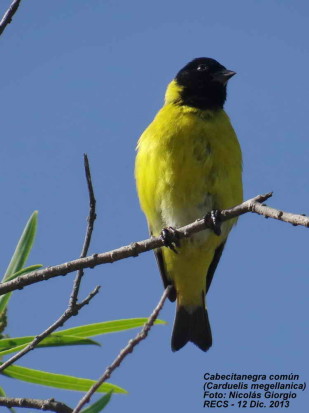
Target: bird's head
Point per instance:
(202, 84)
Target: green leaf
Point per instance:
(99, 405)
(73, 336)
(11, 345)
(24, 271)
(20, 255)
(59, 381)
(91, 330)
(24, 246)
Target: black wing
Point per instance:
(213, 265)
(166, 282)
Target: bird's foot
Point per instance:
(170, 238)
(213, 219)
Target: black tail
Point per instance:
(191, 326)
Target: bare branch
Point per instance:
(288, 217)
(136, 248)
(91, 218)
(8, 15)
(124, 352)
(73, 307)
(51, 404)
(70, 312)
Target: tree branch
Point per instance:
(69, 312)
(91, 218)
(124, 352)
(136, 248)
(51, 404)
(73, 307)
(8, 15)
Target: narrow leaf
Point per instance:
(91, 330)
(24, 271)
(99, 405)
(20, 255)
(11, 345)
(24, 246)
(59, 381)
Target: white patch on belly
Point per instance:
(185, 214)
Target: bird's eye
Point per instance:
(202, 68)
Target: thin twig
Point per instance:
(91, 218)
(136, 248)
(124, 352)
(8, 15)
(51, 404)
(69, 312)
(73, 307)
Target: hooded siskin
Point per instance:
(188, 163)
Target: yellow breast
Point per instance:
(188, 162)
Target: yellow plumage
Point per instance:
(188, 163)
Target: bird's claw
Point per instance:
(170, 238)
(213, 219)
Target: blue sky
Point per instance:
(88, 77)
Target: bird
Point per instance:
(189, 164)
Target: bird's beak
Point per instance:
(223, 76)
